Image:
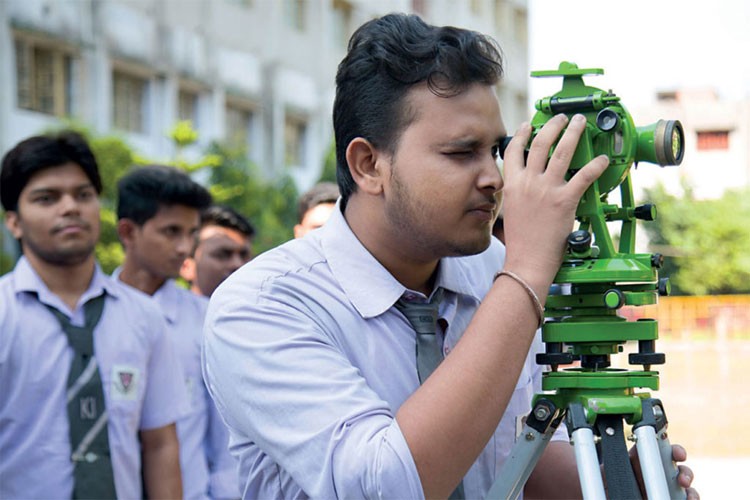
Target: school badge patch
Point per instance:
(125, 380)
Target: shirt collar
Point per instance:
(369, 286)
(166, 296)
(26, 279)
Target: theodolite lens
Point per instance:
(669, 141)
(662, 143)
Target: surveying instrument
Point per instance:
(582, 325)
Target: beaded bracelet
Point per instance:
(530, 291)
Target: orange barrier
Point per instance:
(688, 317)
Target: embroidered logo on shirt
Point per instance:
(124, 382)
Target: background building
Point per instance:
(257, 72)
(717, 142)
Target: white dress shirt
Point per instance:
(140, 377)
(309, 362)
(208, 470)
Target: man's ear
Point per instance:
(365, 165)
(12, 223)
(126, 229)
(187, 271)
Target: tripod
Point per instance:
(654, 451)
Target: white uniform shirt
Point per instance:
(208, 469)
(137, 363)
(309, 361)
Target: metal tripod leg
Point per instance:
(655, 453)
(540, 425)
(587, 460)
(589, 473)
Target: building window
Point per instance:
(43, 78)
(238, 125)
(294, 141)
(187, 106)
(713, 140)
(294, 13)
(342, 22)
(128, 102)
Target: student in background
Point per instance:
(225, 243)
(158, 211)
(315, 207)
(93, 416)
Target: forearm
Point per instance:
(161, 463)
(463, 401)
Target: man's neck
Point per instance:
(140, 278)
(371, 230)
(67, 281)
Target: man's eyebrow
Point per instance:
(52, 189)
(468, 143)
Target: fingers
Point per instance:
(543, 142)
(679, 454)
(566, 147)
(685, 476)
(587, 175)
(513, 160)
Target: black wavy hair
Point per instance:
(224, 216)
(386, 57)
(144, 190)
(41, 152)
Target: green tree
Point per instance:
(706, 243)
(329, 165)
(270, 204)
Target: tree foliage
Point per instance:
(269, 204)
(706, 243)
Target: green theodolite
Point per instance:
(582, 328)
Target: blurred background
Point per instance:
(239, 93)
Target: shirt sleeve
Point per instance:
(166, 398)
(284, 385)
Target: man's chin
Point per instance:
(474, 247)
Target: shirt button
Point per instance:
(446, 350)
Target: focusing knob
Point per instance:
(645, 212)
(664, 287)
(657, 260)
(579, 241)
(607, 120)
(614, 299)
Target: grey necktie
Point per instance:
(423, 317)
(87, 413)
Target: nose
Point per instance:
(490, 177)
(185, 245)
(69, 204)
